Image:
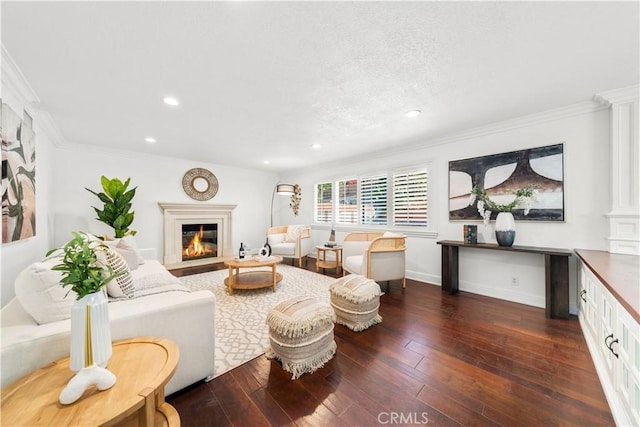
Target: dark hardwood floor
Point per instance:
(435, 359)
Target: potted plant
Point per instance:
(117, 205)
(505, 224)
(90, 351)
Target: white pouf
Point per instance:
(356, 300)
(301, 334)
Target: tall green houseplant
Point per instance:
(117, 205)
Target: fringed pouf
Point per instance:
(355, 300)
(301, 334)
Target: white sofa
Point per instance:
(186, 318)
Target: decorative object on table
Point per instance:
(470, 234)
(355, 300)
(332, 239)
(281, 190)
(505, 223)
(18, 176)
(265, 251)
(500, 175)
(296, 197)
(301, 334)
(90, 351)
(200, 184)
(117, 205)
(242, 252)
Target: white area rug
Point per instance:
(241, 331)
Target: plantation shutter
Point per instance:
(324, 202)
(410, 198)
(348, 201)
(373, 200)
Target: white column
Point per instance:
(624, 214)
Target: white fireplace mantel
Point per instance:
(178, 214)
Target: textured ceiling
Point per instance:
(265, 80)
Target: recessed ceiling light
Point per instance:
(170, 100)
(412, 113)
(266, 162)
(150, 140)
(316, 146)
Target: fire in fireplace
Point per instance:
(199, 241)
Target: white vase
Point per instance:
(90, 347)
(90, 332)
(505, 229)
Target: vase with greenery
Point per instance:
(86, 274)
(505, 223)
(116, 211)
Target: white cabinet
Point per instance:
(613, 337)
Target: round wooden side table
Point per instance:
(323, 262)
(142, 366)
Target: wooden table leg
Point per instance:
(273, 276)
(556, 272)
(230, 281)
(449, 270)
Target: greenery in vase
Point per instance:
(117, 205)
(81, 269)
(524, 199)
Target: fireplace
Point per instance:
(199, 241)
(196, 234)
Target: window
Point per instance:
(396, 199)
(348, 201)
(410, 198)
(324, 202)
(373, 200)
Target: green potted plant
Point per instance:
(116, 212)
(80, 266)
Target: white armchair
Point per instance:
(292, 241)
(377, 256)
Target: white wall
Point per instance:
(583, 129)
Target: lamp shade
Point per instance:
(285, 189)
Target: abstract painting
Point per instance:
(18, 176)
(501, 175)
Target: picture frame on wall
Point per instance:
(501, 175)
(18, 175)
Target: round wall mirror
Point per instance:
(200, 184)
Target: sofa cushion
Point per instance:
(293, 231)
(287, 248)
(353, 264)
(122, 285)
(40, 293)
(127, 247)
(275, 239)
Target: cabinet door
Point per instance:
(628, 369)
(589, 291)
(607, 328)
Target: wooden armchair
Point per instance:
(378, 256)
(290, 241)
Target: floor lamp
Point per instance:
(283, 190)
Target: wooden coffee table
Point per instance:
(142, 367)
(252, 279)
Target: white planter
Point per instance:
(505, 229)
(90, 347)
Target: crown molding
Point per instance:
(44, 121)
(13, 78)
(617, 96)
(577, 109)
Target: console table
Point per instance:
(556, 272)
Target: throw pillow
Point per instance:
(40, 293)
(126, 247)
(293, 231)
(122, 285)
